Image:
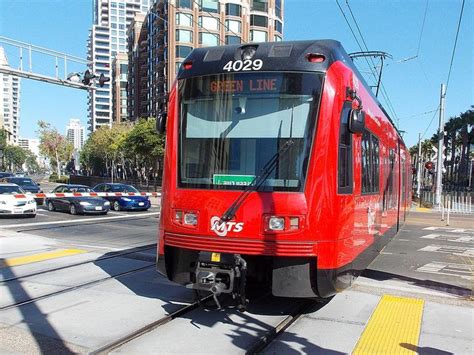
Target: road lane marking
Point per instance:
(93, 219)
(396, 321)
(450, 238)
(28, 259)
(448, 249)
(460, 270)
(450, 229)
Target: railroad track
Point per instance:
(114, 255)
(76, 287)
(294, 313)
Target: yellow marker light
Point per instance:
(216, 257)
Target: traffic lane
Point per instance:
(428, 254)
(43, 215)
(116, 231)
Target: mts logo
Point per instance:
(222, 228)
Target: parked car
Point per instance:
(20, 173)
(77, 204)
(4, 174)
(28, 185)
(119, 203)
(16, 206)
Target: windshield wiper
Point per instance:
(257, 182)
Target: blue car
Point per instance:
(120, 203)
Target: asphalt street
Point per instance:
(79, 283)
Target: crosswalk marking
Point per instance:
(464, 271)
(450, 229)
(450, 238)
(448, 249)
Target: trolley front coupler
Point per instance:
(221, 273)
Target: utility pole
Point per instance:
(418, 170)
(439, 169)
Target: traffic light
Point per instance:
(103, 80)
(87, 78)
(429, 165)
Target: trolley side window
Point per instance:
(345, 153)
(370, 163)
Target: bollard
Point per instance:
(443, 201)
(449, 206)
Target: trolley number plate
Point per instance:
(243, 65)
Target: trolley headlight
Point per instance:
(276, 223)
(186, 218)
(191, 219)
(287, 224)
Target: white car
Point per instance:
(11, 205)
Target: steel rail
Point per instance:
(72, 288)
(148, 328)
(115, 255)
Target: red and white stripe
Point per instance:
(88, 194)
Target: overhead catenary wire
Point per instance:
(384, 92)
(450, 64)
(454, 47)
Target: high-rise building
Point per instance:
(108, 37)
(119, 89)
(172, 28)
(75, 133)
(9, 102)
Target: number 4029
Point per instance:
(243, 65)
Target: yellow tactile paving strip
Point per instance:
(28, 259)
(393, 328)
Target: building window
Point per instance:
(184, 36)
(209, 5)
(183, 51)
(370, 163)
(278, 26)
(277, 38)
(185, 4)
(184, 19)
(278, 8)
(178, 64)
(232, 40)
(233, 10)
(208, 23)
(256, 20)
(259, 5)
(258, 36)
(208, 39)
(233, 26)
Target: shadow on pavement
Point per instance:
(424, 350)
(34, 319)
(430, 284)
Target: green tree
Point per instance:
(147, 147)
(14, 157)
(54, 145)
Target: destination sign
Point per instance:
(251, 85)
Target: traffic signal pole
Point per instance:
(439, 169)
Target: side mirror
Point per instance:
(161, 122)
(356, 121)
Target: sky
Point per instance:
(396, 27)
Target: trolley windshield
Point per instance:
(231, 125)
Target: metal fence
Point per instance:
(455, 201)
